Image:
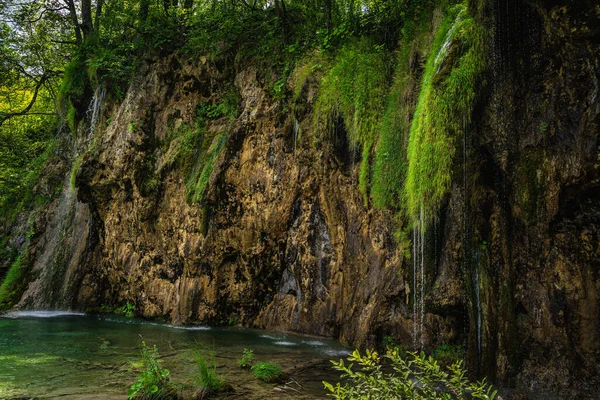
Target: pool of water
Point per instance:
(52, 354)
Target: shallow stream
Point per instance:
(49, 354)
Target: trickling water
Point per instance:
(478, 307)
(419, 282)
(296, 131)
(64, 237)
(41, 314)
(443, 52)
(466, 233)
(43, 292)
(415, 294)
(93, 111)
(422, 285)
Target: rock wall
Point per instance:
(283, 239)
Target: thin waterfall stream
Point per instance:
(65, 235)
(93, 112)
(296, 131)
(419, 282)
(479, 312)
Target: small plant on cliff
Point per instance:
(153, 382)
(126, 309)
(267, 372)
(447, 354)
(246, 361)
(416, 376)
(207, 379)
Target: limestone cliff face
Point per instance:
(282, 238)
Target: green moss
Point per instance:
(447, 354)
(389, 166)
(74, 169)
(14, 282)
(312, 64)
(452, 75)
(200, 147)
(75, 75)
(73, 88)
(531, 186)
(72, 120)
(354, 89)
(201, 172)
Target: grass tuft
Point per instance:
(207, 378)
(267, 372)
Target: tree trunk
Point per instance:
(329, 6)
(99, 5)
(73, 14)
(87, 25)
(144, 6)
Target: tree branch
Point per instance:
(4, 116)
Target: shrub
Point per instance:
(246, 361)
(207, 379)
(447, 354)
(126, 309)
(415, 377)
(267, 372)
(153, 382)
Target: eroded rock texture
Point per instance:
(283, 239)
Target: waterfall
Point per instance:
(419, 282)
(422, 285)
(470, 265)
(443, 52)
(479, 314)
(93, 111)
(415, 339)
(43, 292)
(63, 242)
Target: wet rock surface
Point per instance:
(282, 238)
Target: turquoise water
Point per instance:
(75, 356)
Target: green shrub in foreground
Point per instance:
(246, 361)
(415, 376)
(267, 372)
(153, 382)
